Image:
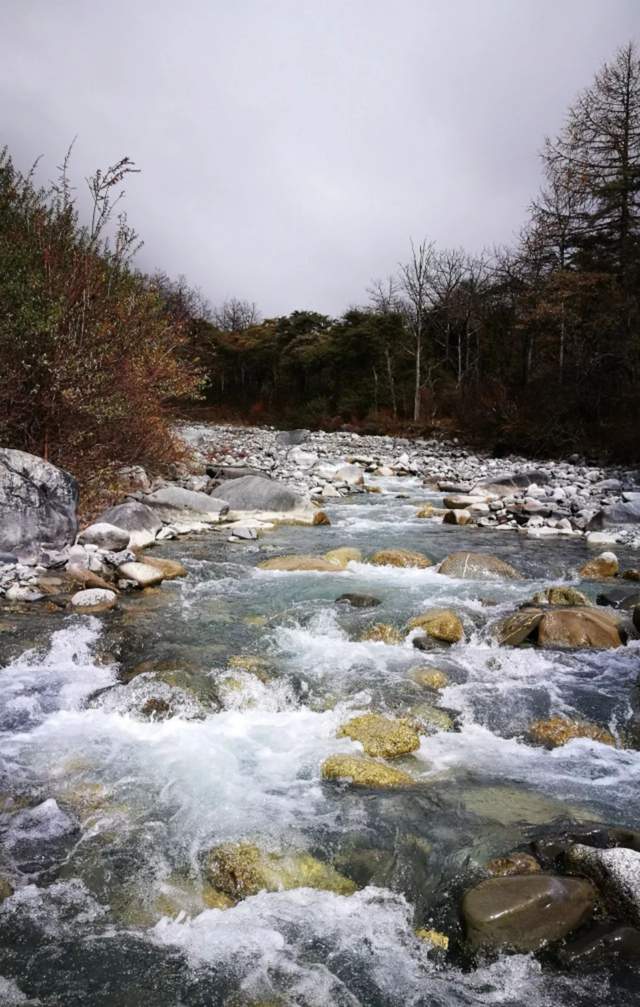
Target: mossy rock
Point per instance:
(243, 869)
(440, 624)
(561, 596)
(362, 772)
(556, 731)
(382, 632)
(343, 556)
(301, 563)
(381, 736)
(400, 558)
(513, 863)
(433, 937)
(429, 678)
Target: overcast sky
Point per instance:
(290, 148)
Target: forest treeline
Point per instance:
(534, 348)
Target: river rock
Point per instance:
(382, 632)
(291, 438)
(400, 558)
(381, 736)
(86, 578)
(428, 677)
(352, 475)
(457, 517)
(142, 574)
(142, 523)
(506, 484)
(513, 863)
(619, 598)
(561, 596)
(169, 568)
(243, 869)
(38, 504)
(23, 592)
(362, 772)
(600, 567)
(524, 913)
(616, 873)
(6, 889)
(440, 624)
(173, 503)
(294, 564)
(578, 627)
(477, 566)
(259, 493)
(358, 600)
(343, 556)
(621, 513)
(96, 599)
(600, 944)
(556, 731)
(105, 536)
(517, 628)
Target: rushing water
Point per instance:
(107, 810)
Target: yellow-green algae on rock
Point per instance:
(378, 735)
(434, 937)
(243, 869)
(430, 678)
(362, 772)
(556, 731)
(382, 632)
(343, 556)
(401, 558)
(440, 624)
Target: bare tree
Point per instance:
(383, 295)
(415, 281)
(235, 315)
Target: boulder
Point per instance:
(525, 912)
(621, 513)
(600, 944)
(440, 624)
(141, 574)
(38, 504)
(105, 536)
(477, 566)
(458, 517)
(619, 598)
(517, 628)
(381, 736)
(616, 872)
(600, 567)
(561, 596)
(362, 772)
(463, 502)
(173, 503)
(86, 578)
(290, 438)
(142, 523)
(400, 558)
(240, 870)
(95, 599)
(343, 556)
(169, 568)
(578, 627)
(358, 600)
(556, 731)
(352, 475)
(259, 493)
(295, 564)
(506, 484)
(381, 632)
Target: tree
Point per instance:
(415, 282)
(235, 315)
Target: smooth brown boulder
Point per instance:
(294, 564)
(578, 627)
(440, 624)
(517, 628)
(525, 912)
(477, 566)
(600, 567)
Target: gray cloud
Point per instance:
(289, 148)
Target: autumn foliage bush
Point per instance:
(89, 359)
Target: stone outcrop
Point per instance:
(38, 504)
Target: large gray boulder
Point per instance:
(259, 493)
(513, 481)
(142, 523)
(615, 871)
(626, 511)
(104, 536)
(38, 504)
(173, 503)
(290, 438)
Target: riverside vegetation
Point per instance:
(309, 717)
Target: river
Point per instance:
(130, 747)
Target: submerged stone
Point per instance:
(556, 731)
(358, 600)
(430, 678)
(243, 869)
(432, 718)
(600, 944)
(381, 736)
(400, 558)
(477, 566)
(440, 624)
(524, 913)
(363, 772)
(382, 632)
